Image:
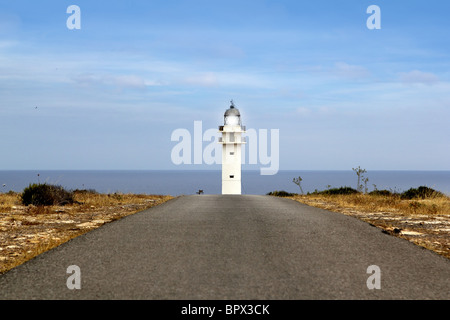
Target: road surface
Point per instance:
(233, 247)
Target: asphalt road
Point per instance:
(233, 247)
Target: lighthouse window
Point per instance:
(231, 153)
(231, 136)
(232, 177)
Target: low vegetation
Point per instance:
(422, 192)
(421, 200)
(335, 191)
(43, 194)
(281, 193)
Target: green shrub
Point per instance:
(421, 192)
(281, 193)
(380, 193)
(46, 195)
(341, 190)
(85, 191)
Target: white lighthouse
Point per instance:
(231, 141)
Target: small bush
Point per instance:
(415, 205)
(281, 193)
(421, 192)
(85, 191)
(116, 196)
(46, 195)
(380, 193)
(341, 190)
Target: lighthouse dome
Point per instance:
(232, 116)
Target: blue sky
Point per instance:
(109, 95)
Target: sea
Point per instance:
(179, 182)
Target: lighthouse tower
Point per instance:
(231, 141)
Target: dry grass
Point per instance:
(425, 222)
(26, 232)
(393, 203)
(8, 200)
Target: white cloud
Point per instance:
(303, 111)
(225, 79)
(207, 79)
(129, 81)
(246, 80)
(345, 70)
(120, 81)
(4, 44)
(420, 77)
